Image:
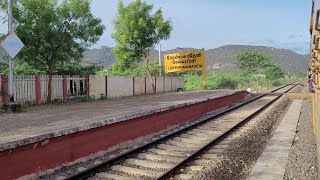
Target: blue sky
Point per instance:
(213, 23)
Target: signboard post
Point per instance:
(12, 45)
(186, 61)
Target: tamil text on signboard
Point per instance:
(184, 62)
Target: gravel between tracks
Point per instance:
(237, 161)
(302, 162)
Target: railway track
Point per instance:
(162, 158)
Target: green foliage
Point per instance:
(78, 69)
(54, 33)
(86, 98)
(193, 82)
(276, 83)
(4, 67)
(251, 62)
(273, 72)
(138, 71)
(103, 97)
(137, 30)
(219, 80)
(154, 68)
(26, 69)
(234, 81)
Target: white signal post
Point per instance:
(11, 79)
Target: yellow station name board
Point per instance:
(184, 62)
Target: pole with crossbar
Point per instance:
(11, 79)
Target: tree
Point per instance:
(79, 69)
(273, 72)
(154, 68)
(137, 30)
(54, 33)
(251, 62)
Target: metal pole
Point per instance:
(11, 79)
(160, 59)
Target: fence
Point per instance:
(34, 89)
(57, 93)
(25, 89)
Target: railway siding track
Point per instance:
(161, 159)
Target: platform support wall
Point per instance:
(53, 152)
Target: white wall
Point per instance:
(139, 85)
(116, 86)
(167, 84)
(177, 82)
(119, 86)
(97, 86)
(149, 86)
(181, 82)
(160, 84)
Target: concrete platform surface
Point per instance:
(272, 163)
(47, 121)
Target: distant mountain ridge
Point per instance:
(222, 58)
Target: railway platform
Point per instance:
(47, 136)
(273, 161)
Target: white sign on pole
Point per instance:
(12, 45)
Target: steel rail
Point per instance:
(108, 163)
(166, 174)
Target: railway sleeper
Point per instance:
(180, 144)
(175, 148)
(149, 164)
(168, 153)
(183, 177)
(195, 137)
(191, 140)
(135, 171)
(159, 158)
(110, 176)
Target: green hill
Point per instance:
(221, 58)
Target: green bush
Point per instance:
(103, 97)
(276, 83)
(273, 72)
(214, 81)
(240, 81)
(138, 70)
(193, 82)
(221, 81)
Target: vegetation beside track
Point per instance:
(256, 72)
(238, 81)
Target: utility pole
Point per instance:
(11, 79)
(160, 59)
